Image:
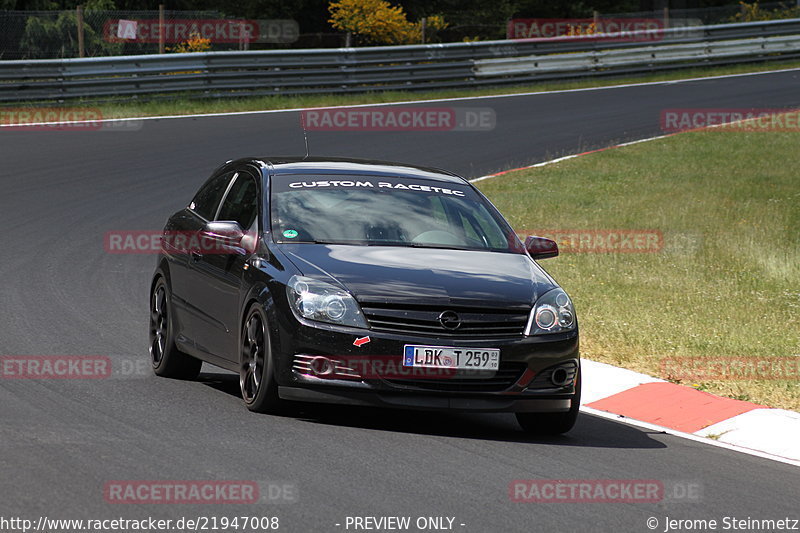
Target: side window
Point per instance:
(207, 199)
(241, 203)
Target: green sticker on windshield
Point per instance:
(290, 234)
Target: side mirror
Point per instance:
(226, 232)
(540, 247)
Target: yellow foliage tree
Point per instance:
(435, 22)
(577, 30)
(754, 13)
(194, 43)
(377, 21)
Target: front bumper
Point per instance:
(521, 385)
(484, 403)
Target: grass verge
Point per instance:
(725, 284)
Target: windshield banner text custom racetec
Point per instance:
(387, 211)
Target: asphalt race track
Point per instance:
(61, 441)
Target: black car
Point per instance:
(363, 283)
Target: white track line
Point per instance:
(689, 436)
(386, 104)
(564, 158)
(571, 156)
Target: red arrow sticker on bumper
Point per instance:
(361, 341)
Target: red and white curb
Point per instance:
(644, 401)
(685, 410)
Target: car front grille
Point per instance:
(505, 377)
(475, 322)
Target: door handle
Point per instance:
(196, 256)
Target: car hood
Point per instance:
(425, 275)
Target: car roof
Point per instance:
(289, 165)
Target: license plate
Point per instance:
(447, 357)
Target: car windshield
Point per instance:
(381, 211)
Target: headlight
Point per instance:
(552, 313)
(324, 302)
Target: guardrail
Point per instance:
(346, 70)
(644, 57)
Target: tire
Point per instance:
(256, 365)
(542, 424)
(167, 360)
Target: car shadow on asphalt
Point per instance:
(589, 431)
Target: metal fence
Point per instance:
(55, 34)
(346, 70)
(730, 13)
(94, 33)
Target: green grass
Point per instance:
(726, 283)
(183, 105)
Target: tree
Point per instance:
(49, 36)
(378, 22)
(753, 12)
